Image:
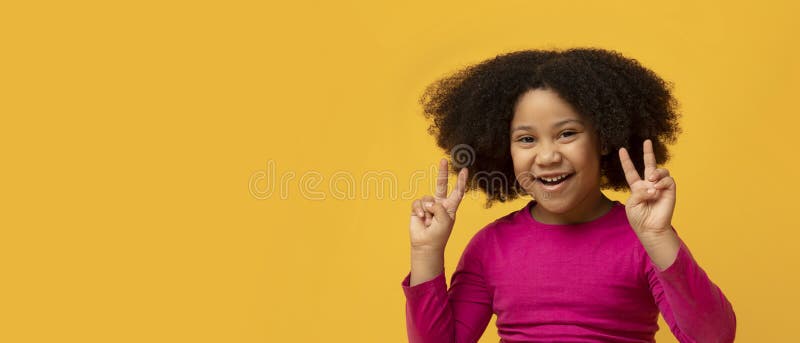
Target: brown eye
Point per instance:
(525, 139)
(568, 133)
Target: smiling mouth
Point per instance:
(553, 183)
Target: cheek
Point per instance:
(516, 159)
(589, 161)
(521, 160)
(584, 155)
(522, 163)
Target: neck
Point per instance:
(590, 209)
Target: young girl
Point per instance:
(571, 265)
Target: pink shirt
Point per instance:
(588, 282)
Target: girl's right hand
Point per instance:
(432, 217)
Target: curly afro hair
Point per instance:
(472, 109)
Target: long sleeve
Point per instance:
(692, 305)
(458, 315)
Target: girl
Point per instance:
(571, 265)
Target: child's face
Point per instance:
(548, 138)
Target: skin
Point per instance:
(650, 207)
(547, 137)
(543, 147)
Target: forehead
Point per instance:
(542, 107)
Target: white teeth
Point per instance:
(557, 178)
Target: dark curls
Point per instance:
(471, 110)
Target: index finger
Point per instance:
(441, 180)
(649, 158)
(631, 175)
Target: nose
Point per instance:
(548, 154)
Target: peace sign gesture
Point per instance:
(652, 199)
(432, 217)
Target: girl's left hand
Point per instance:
(652, 200)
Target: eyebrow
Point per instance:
(561, 123)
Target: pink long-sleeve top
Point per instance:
(588, 282)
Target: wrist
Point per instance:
(662, 247)
(657, 237)
(425, 265)
(426, 256)
(426, 251)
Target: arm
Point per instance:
(695, 309)
(460, 314)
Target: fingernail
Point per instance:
(428, 204)
(651, 191)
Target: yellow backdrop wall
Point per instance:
(139, 138)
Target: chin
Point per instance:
(555, 205)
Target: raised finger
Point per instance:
(649, 158)
(461, 185)
(441, 180)
(631, 175)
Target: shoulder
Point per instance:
(498, 228)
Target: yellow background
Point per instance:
(131, 131)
